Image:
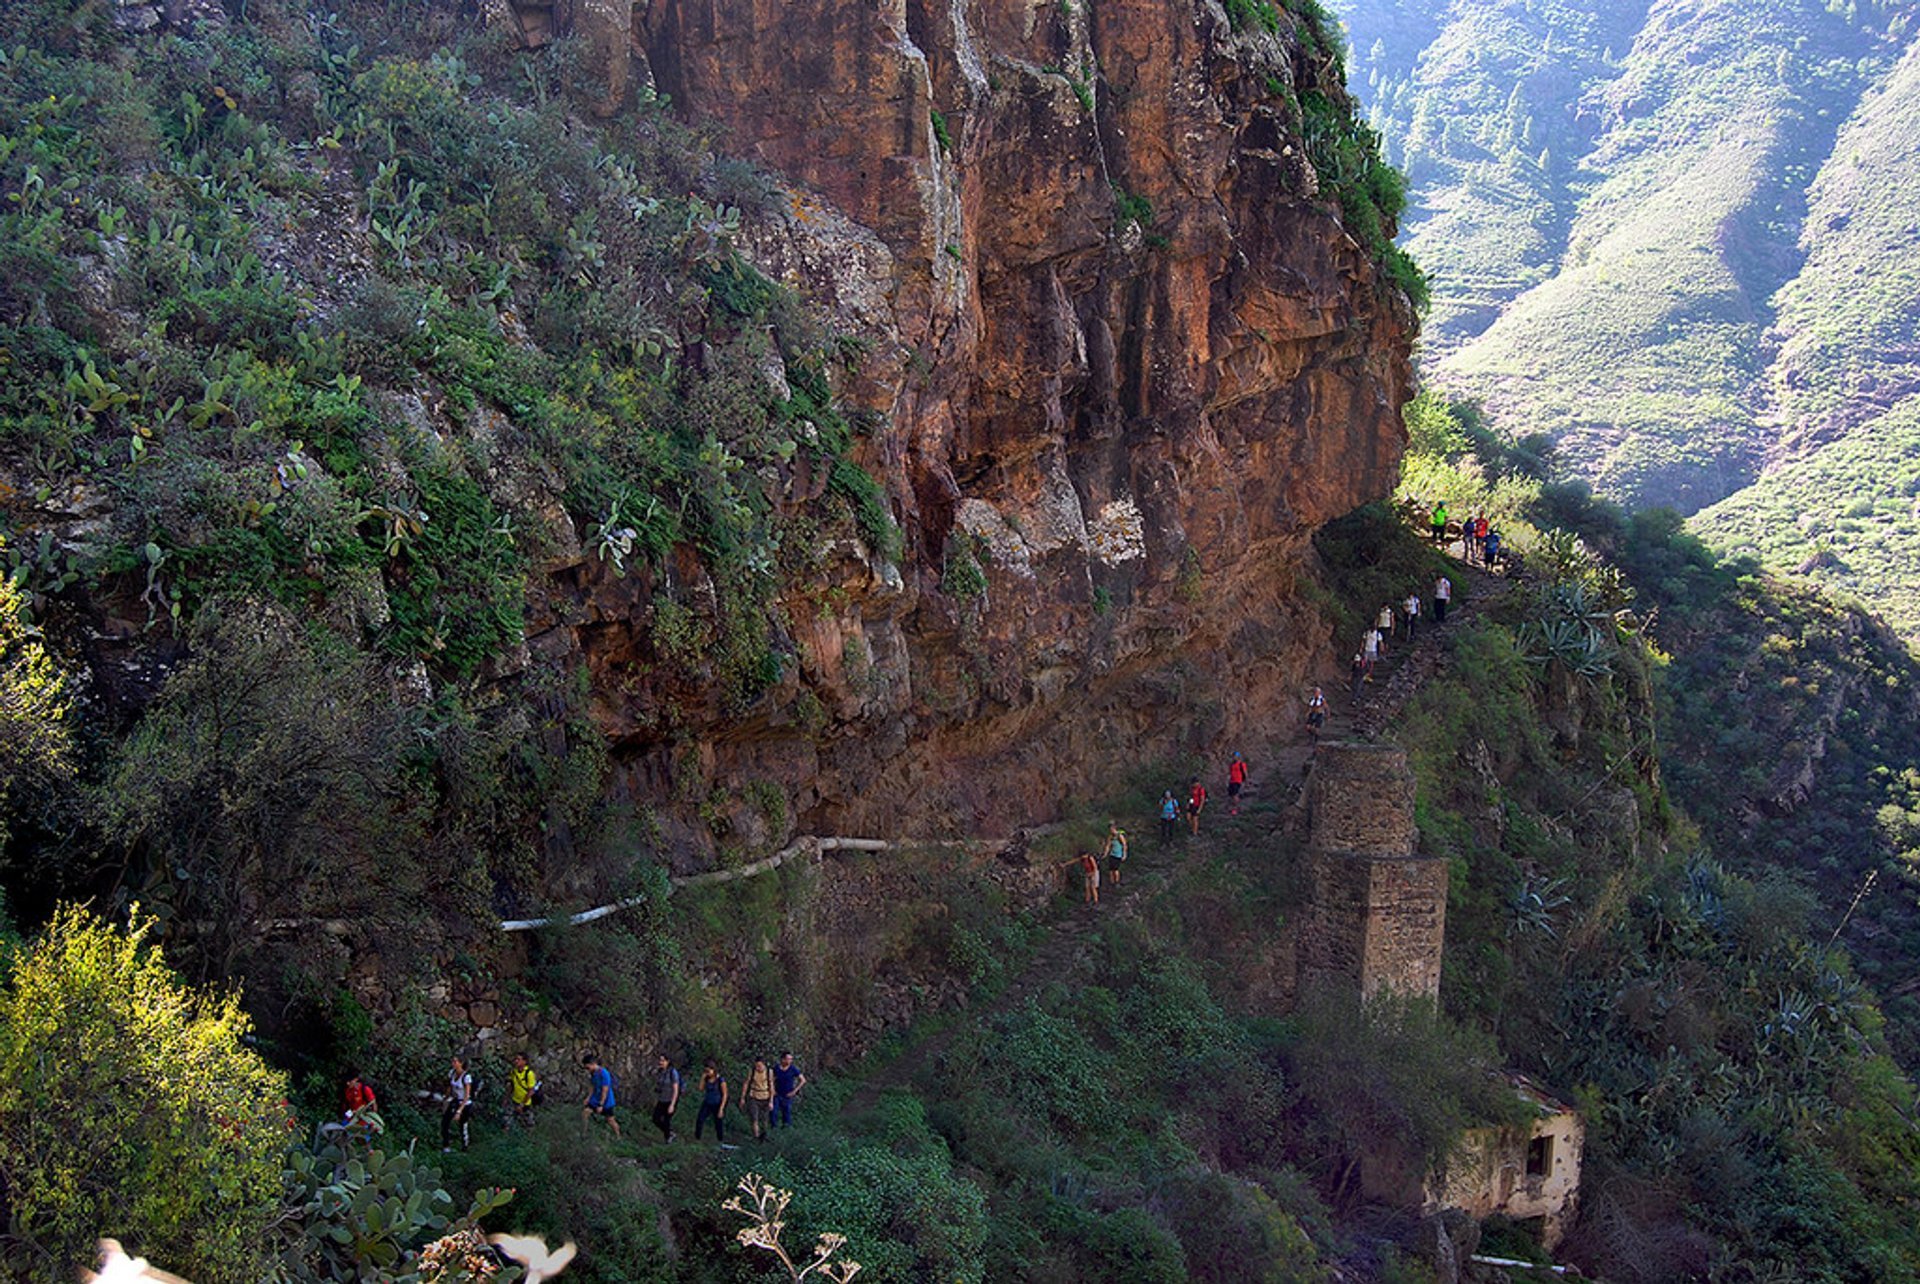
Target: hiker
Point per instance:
(1370, 653)
(1384, 623)
(1467, 543)
(757, 1090)
(599, 1092)
(1169, 816)
(459, 1107)
(523, 1089)
(666, 1095)
(1196, 803)
(1481, 530)
(1317, 707)
(1493, 549)
(1358, 672)
(1116, 851)
(1410, 613)
(1089, 876)
(1439, 523)
(1236, 781)
(1442, 595)
(360, 1114)
(713, 1103)
(787, 1082)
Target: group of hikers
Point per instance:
(1115, 847)
(1396, 622)
(1479, 538)
(767, 1093)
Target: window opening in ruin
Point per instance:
(1540, 1156)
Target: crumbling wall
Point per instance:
(1377, 916)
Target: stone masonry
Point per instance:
(1378, 911)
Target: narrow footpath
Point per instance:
(1270, 803)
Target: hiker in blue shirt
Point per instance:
(787, 1082)
(1169, 816)
(1492, 549)
(599, 1092)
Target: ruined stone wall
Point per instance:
(1377, 916)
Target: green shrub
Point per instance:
(130, 1106)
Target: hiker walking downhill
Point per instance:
(787, 1082)
(1493, 549)
(1196, 803)
(1442, 597)
(1116, 851)
(1236, 781)
(1369, 653)
(1357, 673)
(599, 1093)
(1383, 624)
(1482, 532)
(1089, 876)
(459, 1107)
(1467, 545)
(757, 1090)
(713, 1103)
(523, 1089)
(1410, 613)
(1439, 523)
(1317, 709)
(1169, 816)
(666, 1095)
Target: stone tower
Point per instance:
(1378, 911)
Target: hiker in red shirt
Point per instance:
(1090, 868)
(1196, 802)
(1236, 780)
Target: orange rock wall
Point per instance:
(1137, 427)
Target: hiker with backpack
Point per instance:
(757, 1090)
(1196, 803)
(666, 1095)
(459, 1106)
(1493, 549)
(600, 1090)
(1236, 781)
(1116, 851)
(713, 1103)
(523, 1089)
(1169, 816)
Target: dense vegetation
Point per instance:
(1784, 749)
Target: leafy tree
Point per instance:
(36, 737)
(130, 1106)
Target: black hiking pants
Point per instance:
(710, 1110)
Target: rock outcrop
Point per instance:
(1125, 359)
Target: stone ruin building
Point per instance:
(1376, 920)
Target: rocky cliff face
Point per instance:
(1125, 361)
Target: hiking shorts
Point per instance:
(601, 1110)
(1233, 789)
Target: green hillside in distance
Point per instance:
(1613, 206)
(1847, 515)
(1848, 323)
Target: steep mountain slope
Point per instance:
(1848, 516)
(1608, 206)
(1848, 324)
